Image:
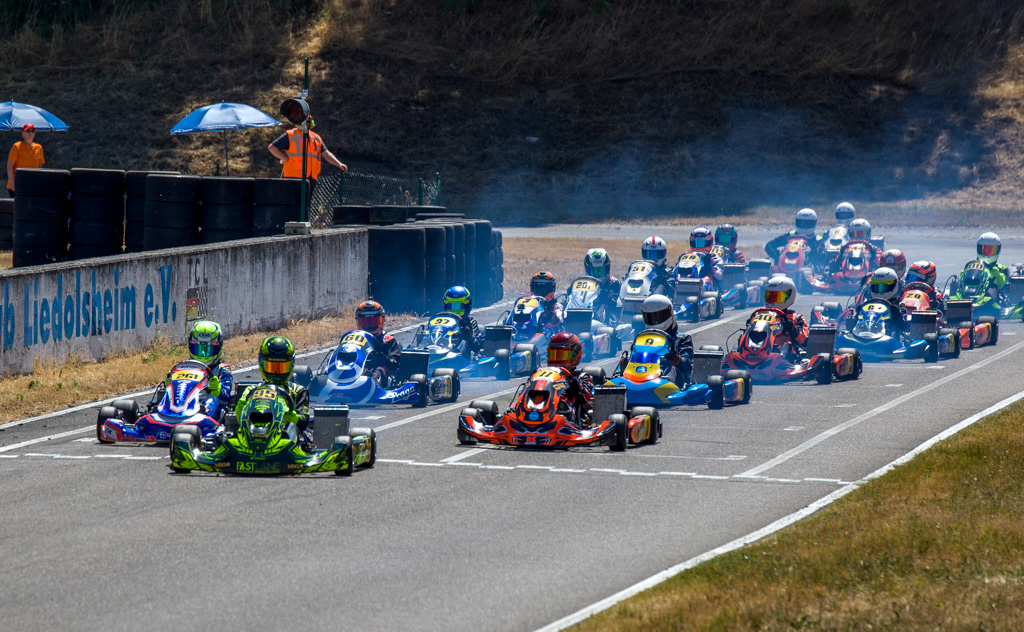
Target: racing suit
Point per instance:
(579, 392)
(874, 252)
(794, 333)
(469, 331)
(299, 415)
(607, 299)
(732, 255)
(220, 389)
(1000, 275)
(677, 364)
(664, 281)
(775, 247)
(710, 266)
(551, 317)
(382, 364)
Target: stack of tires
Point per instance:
(97, 213)
(6, 223)
(397, 267)
(41, 211)
(277, 201)
(350, 214)
(172, 211)
(437, 246)
(227, 209)
(484, 274)
(135, 208)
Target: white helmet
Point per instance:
(597, 263)
(806, 221)
(883, 284)
(860, 228)
(989, 247)
(780, 292)
(658, 312)
(655, 249)
(845, 213)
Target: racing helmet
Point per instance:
(806, 221)
(845, 213)
(989, 247)
(922, 272)
(205, 341)
(457, 301)
(701, 238)
(780, 292)
(655, 249)
(895, 259)
(597, 263)
(277, 360)
(543, 284)
(860, 228)
(725, 235)
(565, 349)
(658, 312)
(370, 317)
(883, 284)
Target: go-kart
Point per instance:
(645, 381)
(856, 262)
(759, 352)
(875, 333)
(641, 281)
(974, 283)
(974, 332)
(696, 298)
(795, 256)
(181, 402)
(743, 286)
(539, 417)
(339, 379)
(598, 338)
(260, 441)
(441, 341)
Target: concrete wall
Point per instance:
(96, 307)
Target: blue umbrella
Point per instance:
(13, 116)
(223, 117)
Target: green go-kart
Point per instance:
(261, 441)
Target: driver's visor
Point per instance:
(804, 224)
(988, 250)
(370, 323)
(652, 254)
(776, 296)
(598, 273)
(456, 308)
(658, 317)
(881, 287)
(204, 349)
(725, 238)
(559, 355)
(277, 367)
(700, 242)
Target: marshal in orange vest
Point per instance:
(314, 151)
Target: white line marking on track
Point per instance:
(893, 385)
(59, 435)
(437, 411)
(464, 455)
(810, 443)
(778, 525)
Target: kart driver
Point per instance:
(458, 302)
(780, 294)
(845, 213)
(989, 246)
(884, 285)
(205, 342)
(598, 265)
(701, 241)
(806, 222)
(659, 313)
(726, 236)
(655, 249)
(925, 272)
(565, 350)
(277, 361)
(891, 258)
(543, 285)
(382, 364)
(860, 232)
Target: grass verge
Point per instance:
(936, 544)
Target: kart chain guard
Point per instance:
(687, 287)
(705, 364)
(496, 337)
(329, 422)
(413, 361)
(759, 268)
(923, 322)
(732, 274)
(577, 321)
(821, 339)
(958, 311)
(608, 401)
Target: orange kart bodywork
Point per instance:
(856, 262)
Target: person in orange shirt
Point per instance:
(25, 154)
(287, 148)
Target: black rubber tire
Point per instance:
(717, 385)
(402, 241)
(278, 192)
(135, 210)
(233, 217)
(349, 456)
(267, 217)
(483, 235)
(134, 236)
(350, 214)
(42, 182)
(740, 374)
(105, 413)
(946, 331)
(90, 208)
(470, 229)
(459, 232)
(449, 239)
(218, 236)
(995, 327)
(399, 299)
(502, 369)
(435, 271)
(621, 432)
(932, 353)
(168, 188)
(135, 182)
(98, 182)
(42, 209)
(465, 438)
(229, 191)
(38, 234)
(22, 257)
(129, 408)
(489, 410)
(824, 376)
(96, 233)
(77, 252)
(969, 326)
(421, 381)
(450, 270)
(398, 271)
(435, 240)
(179, 215)
(388, 214)
(655, 418)
(456, 384)
(158, 237)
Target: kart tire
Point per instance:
(503, 368)
(215, 190)
(488, 410)
(932, 353)
(695, 312)
(655, 421)
(587, 341)
(456, 385)
(526, 346)
(748, 384)
(995, 327)
(597, 373)
(742, 293)
(947, 331)
(858, 363)
(106, 412)
(90, 208)
(608, 331)
(824, 374)
(370, 434)
(621, 432)
(421, 390)
(969, 326)
(349, 455)
(719, 307)
(129, 408)
(172, 188)
(717, 385)
(195, 438)
(44, 183)
(464, 437)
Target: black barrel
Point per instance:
(97, 212)
(227, 209)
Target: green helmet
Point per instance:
(277, 360)
(205, 341)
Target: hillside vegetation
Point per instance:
(561, 108)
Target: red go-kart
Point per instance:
(856, 261)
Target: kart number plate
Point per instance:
(640, 269)
(443, 321)
(193, 376)
(875, 307)
(547, 374)
(354, 338)
(975, 265)
(584, 285)
(265, 393)
(690, 256)
(764, 317)
(527, 304)
(652, 340)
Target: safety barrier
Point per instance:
(6, 223)
(41, 213)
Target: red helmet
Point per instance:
(895, 259)
(370, 317)
(565, 349)
(922, 272)
(543, 284)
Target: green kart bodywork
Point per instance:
(263, 443)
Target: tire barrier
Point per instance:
(39, 227)
(277, 201)
(436, 244)
(171, 215)
(135, 208)
(227, 209)
(351, 214)
(6, 223)
(97, 213)
(397, 267)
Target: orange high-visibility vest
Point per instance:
(314, 147)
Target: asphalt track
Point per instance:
(442, 536)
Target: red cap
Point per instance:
(28, 127)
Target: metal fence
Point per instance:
(334, 187)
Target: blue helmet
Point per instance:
(458, 301)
